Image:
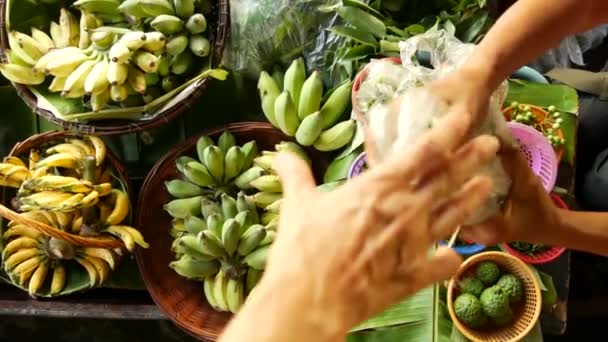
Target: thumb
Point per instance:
(442, 266)
(294, 172)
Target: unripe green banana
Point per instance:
(274, 207)
(100, 100)
(117, 73)
(210, 244)
(264, 162)
(98, 6)
(226, 141)
(288, 146)
(269, 239)
(183, 189)
(164, 65)
(264, 199)
(250, 150)
(243, 181)
(336, 104)
(21, 74)
(286, 114)
(253, 278)
(119, 53)
(209, 207)
(184, 8)
(251, 239)
(152, 93)
(152, 79)
(268, 183)
(169, 83)
(14, 59)
(196, 23)
(246, 204)
(269, 91)
(219, 291)
(327, 187)
(133, 40)
(257, 259)
(229, 209)
(214, 160)
(268, 217)
(336, 137)
(201, 144)
(273, 224)
(234, 162)
(177, 44)
(230, 236)
(294, 79)
(97, 80)
(235, 296)
(279, 76)
(311, 95)
(177, 228)
(155, 8)
(191, 268)
(243, 218)
(215, 224)
(133, 8)
(208, 288)
(137, 79)
(310, 129)
(181, 63)
(167, 24)
(145, 61)
(181, 162)
(155, 42)
(194, 225)
(198, 174)
(200, 45)
(74, 83)
(102, 39)
(191, 246)
(184, 207)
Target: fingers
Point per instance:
(462, 166)
(442, 266)
(459, 208)
(488, 233)
(295, 174)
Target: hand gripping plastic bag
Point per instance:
(391, 128)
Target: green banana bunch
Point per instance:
(298, 110)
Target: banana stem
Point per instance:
(89, 221)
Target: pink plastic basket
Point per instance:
(538, 151)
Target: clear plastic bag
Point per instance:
(265, 33)
(394, 127)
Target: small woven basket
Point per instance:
(545, 257)
(219, 28)
(538, 152)
(525, 317)
(540, 115)
(180, 299)
(21, 149)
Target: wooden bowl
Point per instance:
(525, 317)
(180, 299)
(540, 115)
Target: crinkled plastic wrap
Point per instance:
(268, 32)
(394, 127)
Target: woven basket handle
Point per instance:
(77, 240)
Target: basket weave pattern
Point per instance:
(525, 317)
(219, 19)
(34, 141)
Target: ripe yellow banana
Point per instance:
(70, 27)
(97, 80)
(91, 270)
(72, 149)
(119, 93)
(77, 224)
(103, 189)
(50, 218)
(130, 236)
(46, 200)
(21, 230)
(25, 270)
(19, 243)
(45, 43)
(89, 150)
(119, 53)
(137, 79)
(38, 278)
(133, 40)
(59, 37)
(14, 161)
(65, 65)
(64, 219)
(117, 73)
(91, 199)
(155, 42)
(58, 280)
(21, 74)
(88, 21)
(59, 160)
(20, 256)
(25, 47)
(74, 83)
(55, 54)
(103, 270)
(120, 210)
(100, 148)
(101, 253)
(59, 183)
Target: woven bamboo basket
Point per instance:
(219, 25)
(180, 299)
(36, 141)
(526, 315)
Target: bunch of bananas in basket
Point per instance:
(115, 54)
(70, 186)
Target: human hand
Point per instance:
(346, 255)
(528, 214)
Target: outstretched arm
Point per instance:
(583, 231)
(529, 28)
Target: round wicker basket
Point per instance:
(219, 28)
(180, 299)
(525, 317)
